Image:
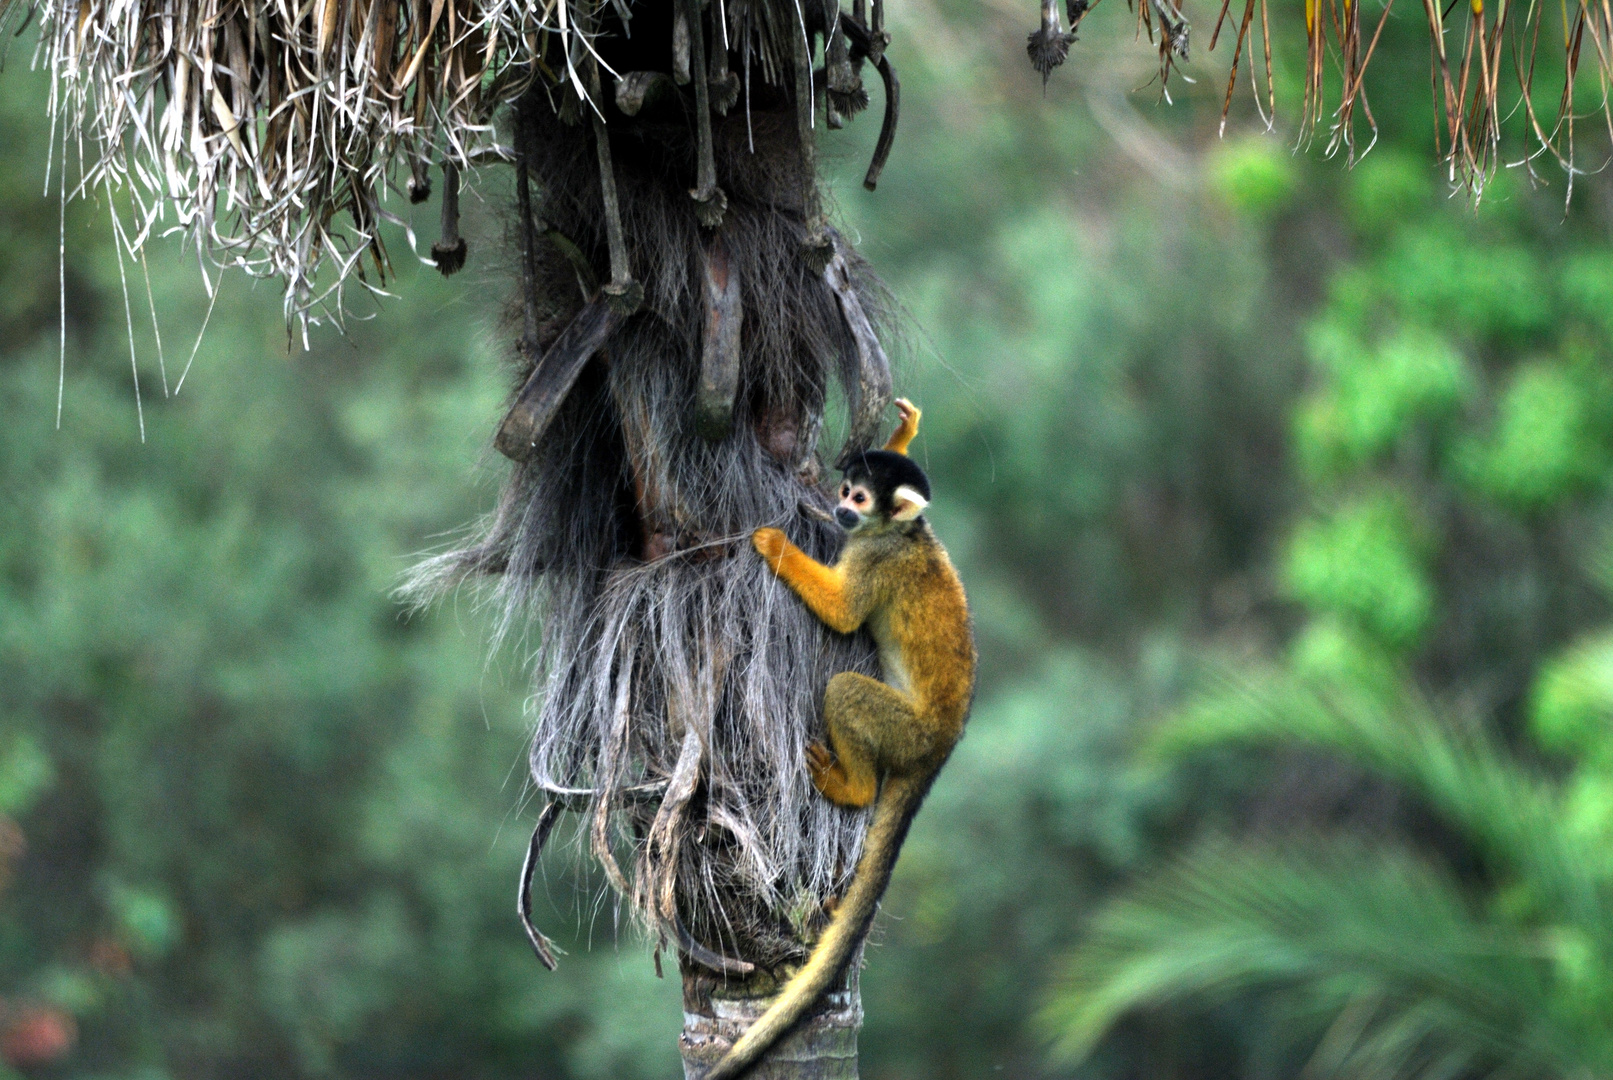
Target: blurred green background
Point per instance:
(1281, 491)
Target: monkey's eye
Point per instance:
(859, 498)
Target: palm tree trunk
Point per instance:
(687, 320)
(715, 1013)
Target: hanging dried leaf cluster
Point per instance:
(271, 131)
(1473, 97)
(274, 132)
(1486, 62)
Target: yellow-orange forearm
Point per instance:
(822, 588)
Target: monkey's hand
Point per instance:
(771, 544)
(822, 588)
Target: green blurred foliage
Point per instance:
(1386, 188)
(1376, 397)
(1360, 562)
(1572, 700)
(1377, 957)
(1550, 437)
(272, 824)
(1405, 891)
(1255, 174)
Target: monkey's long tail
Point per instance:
(898, 802)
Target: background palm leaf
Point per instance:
(1379, 962)
(1382, 951)
(1511, 816)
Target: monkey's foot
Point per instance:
(834, 782)
(819, 761)
(827, 774)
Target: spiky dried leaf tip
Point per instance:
(1049, 45)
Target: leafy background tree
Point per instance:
(1453, 447)
(1186, 399)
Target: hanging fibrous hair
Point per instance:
(680, 331)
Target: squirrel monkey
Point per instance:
(894, 577)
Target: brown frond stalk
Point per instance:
(1237, 51)
(1313, 105)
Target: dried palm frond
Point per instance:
(270, 130)
(1246, 37)
(1469, 94)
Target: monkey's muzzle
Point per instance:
(848, 518)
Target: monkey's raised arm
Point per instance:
(822, 588)
(907, 429)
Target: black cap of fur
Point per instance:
(884, 471)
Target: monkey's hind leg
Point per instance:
(866, 719)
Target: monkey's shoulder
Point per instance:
(906, 566)
(927, 572)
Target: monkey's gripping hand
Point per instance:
(822, 588)
(771, 544)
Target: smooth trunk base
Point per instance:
(715, 1013)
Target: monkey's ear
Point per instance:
(909, 503)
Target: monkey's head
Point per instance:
(881, 488)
